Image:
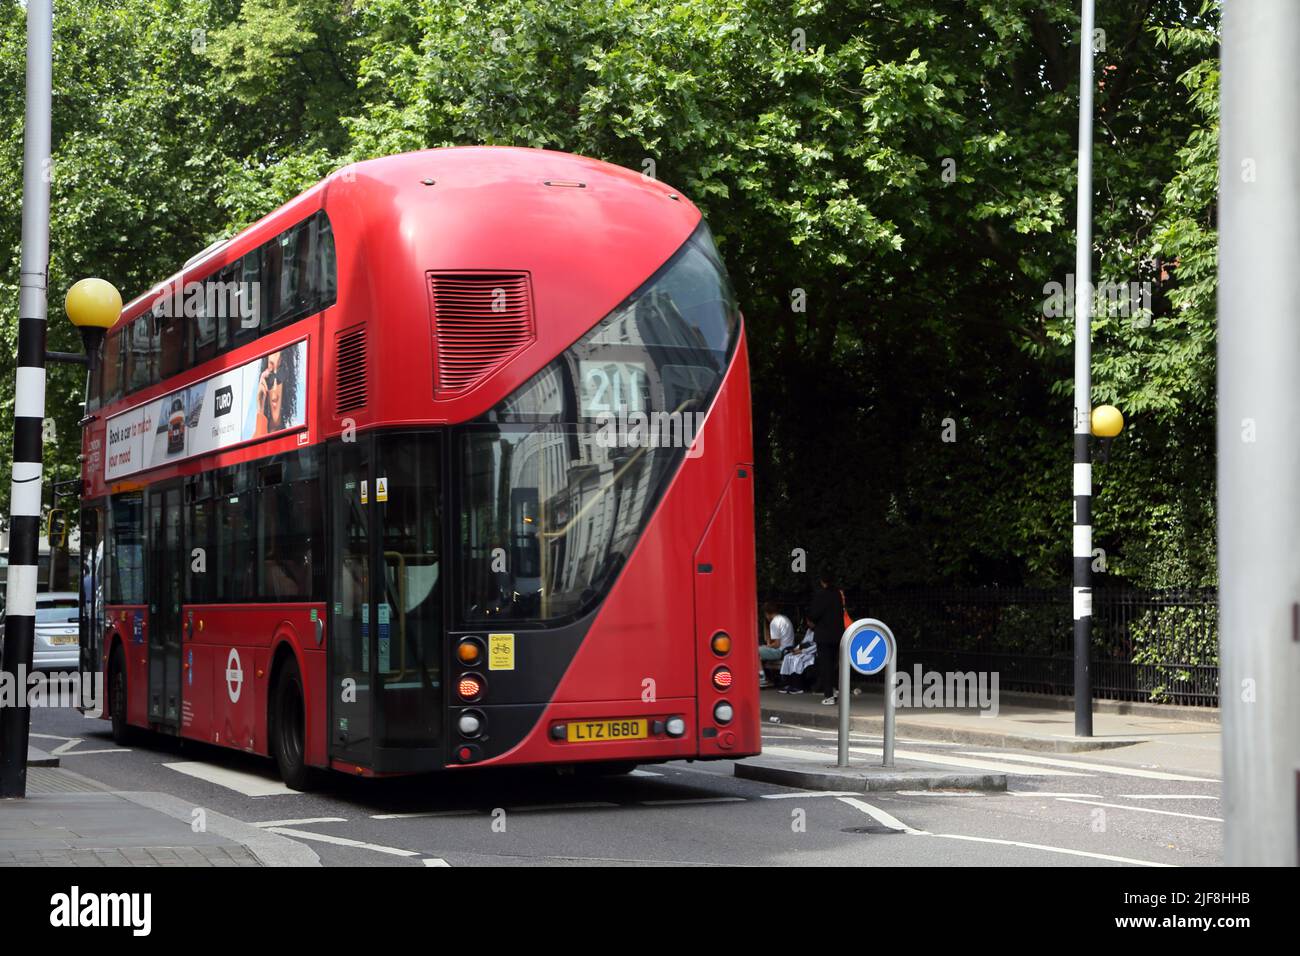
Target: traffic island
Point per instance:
(39, 758)
(861, 776)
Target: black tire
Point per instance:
(117, 696)
(288, 729)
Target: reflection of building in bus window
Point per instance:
(277, 392)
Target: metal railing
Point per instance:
(1160, 646)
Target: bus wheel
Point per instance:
(288, 728)
(117, 696)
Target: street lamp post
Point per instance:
(1082, 472)
(29, 401)
(91, 307)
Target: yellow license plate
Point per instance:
(585, 731)
(65, 639)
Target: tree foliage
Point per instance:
(903, 170)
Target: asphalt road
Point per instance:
(1060, 810)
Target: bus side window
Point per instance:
(326, 263)
(138, 354)
(111, 382)
(251, 276)
(171, 340)
(95, 380)
(198, 555)
(201, 329)
(272, 267)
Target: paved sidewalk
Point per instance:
(70, 820)
(1143, 738)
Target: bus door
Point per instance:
(351, 643)
(386, 646)
(407, 506)
(166, 577)
(91, 618)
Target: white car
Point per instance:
(58, 640)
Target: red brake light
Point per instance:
(722, 678)
(470, 687)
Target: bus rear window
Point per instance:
(57, 612)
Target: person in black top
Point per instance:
(826, 618)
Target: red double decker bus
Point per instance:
(446, 462)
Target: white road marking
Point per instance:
(879, 815)
(1050, 849)
(87, 753)
(1152, 796)
(249, 784)
(434, 861)
(644, 773)
(872, 737)
(1102, 767)
(1036, 793)
(1163, 813)
(52, 737)
(806, 794)
(894, 823)
(993, 764)
(425, 813)
(298, 823)
(690, 800)
(341, 841)
(941, 760)
(576, 805)
(65, 747)
(939, 793)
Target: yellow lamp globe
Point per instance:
(93, 304)
(1107, 421)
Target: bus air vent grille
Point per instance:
(351, 377)
(481, 320)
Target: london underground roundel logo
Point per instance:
(234, 676)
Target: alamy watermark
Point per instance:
(211, 298)
(947, 689)
(625, 429)
(53, 689)
(1123, 299)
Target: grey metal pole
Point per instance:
(29, 401)
(1258, 421)
(1082, 472)
(844, 698)
(891, 681)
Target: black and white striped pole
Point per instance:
(1082, 472)
(93, 305)
(29, 402)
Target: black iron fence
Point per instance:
(1158, 646)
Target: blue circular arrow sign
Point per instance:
(868, 651)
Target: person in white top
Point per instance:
(780, 636)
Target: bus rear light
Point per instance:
(722, 678)
(470, 651)
(721, 644)
(559, 732)
(467, 753)
(470, 723)
(722, 712)
(675, 726)
(470, 687)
